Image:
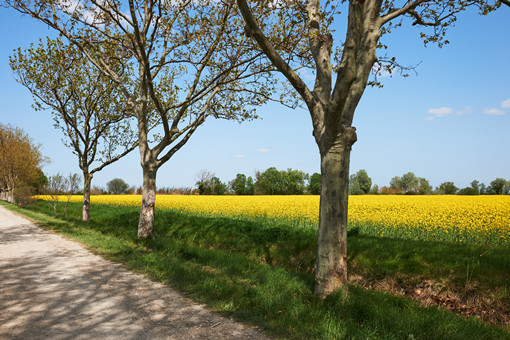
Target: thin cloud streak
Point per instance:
(494, 112)
(505, 104)
(266, 150)
(440, 112)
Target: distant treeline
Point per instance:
(295, 182)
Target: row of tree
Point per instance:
(295, 182)
(167, 66)
(270, 182)
(409, 183)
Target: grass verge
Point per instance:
(261, 273)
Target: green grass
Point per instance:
(262, 273)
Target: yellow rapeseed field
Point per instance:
(483, 219)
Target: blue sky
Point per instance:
(451, 122)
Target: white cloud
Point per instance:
(239, 156)
(494, 111)
(440, 112)
(505, 104)
(306, 74)
(265, 150)
(467, 109)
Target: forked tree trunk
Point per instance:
(146, 222)
(331, 272)
(87, 178)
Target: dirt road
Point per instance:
(52, 288)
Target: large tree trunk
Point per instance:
(87, 178)
(331, 273)
(146, 222)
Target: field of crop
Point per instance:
(462, 219)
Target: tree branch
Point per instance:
(401, 11)
(254, 31)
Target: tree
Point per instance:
(306, 40)
(57, 186)
(209, 184)
(407, 184)
(218, 187)
(424, 186)
(375, 190)
(410, 184)
(447, 188)
(354, 187)
(117, 186)
(242, 185)
(84, 104)
(294, 182)
(360, 183)
(506, 188)
(269, 182)
(474, 189)
(466, 191)
(238, 184)
(396, 183)
(314, 185)
(189, 60)
(475, 185)
(250, 186)
(204, 182)
(38, 182)
(483, 189)
(274, 182)
(20, 160)
(498, 185)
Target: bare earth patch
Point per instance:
(52, 288)
(430, 293)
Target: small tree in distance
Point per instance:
(117, 186)
(241, 185)
(497, 186)
(314, 185)
(375, 190)
(58, 186)
(360, 183)
(275, 182)
(447, 188)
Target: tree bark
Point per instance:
(146, 221)
(10, 196)
(87, 178)
(331, 272)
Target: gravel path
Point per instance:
(52, 288)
